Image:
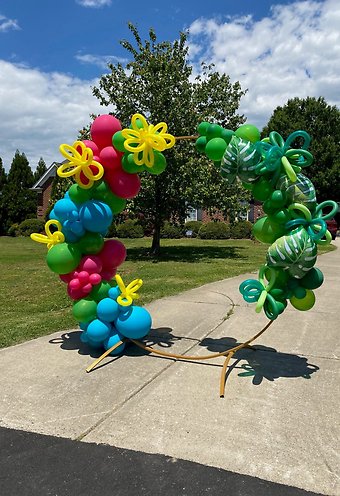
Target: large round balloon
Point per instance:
(134, 323)
(122, 183)
(63, 258)
(95, 216)
(103, 128)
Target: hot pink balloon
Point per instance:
(92, 145)
(112, 254)
(109, 158)
(107, 274)
(103, 128)
(67, 277)
(95, 279)
(122, 183)
(91, 264)
(83, 277)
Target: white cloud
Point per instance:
(293, 52)
(8, 24)
(39, 111)
(94, 3)
(100, 60)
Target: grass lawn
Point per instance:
(34, 301)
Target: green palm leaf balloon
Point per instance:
(240, 159)
(302, 191)
(295, 252)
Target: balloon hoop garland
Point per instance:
(105, 171)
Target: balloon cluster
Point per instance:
(105, 170)
(293, 224)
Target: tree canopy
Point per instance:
(40, 170)
(322, 122)
(158, 82)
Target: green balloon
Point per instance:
(118, 141)
(115, 203)
(159, 165)
(100, 191)
(227, 134)
(266, 231)
(85, 310)
(278, 198)
(248, 132)
(262, 189)
(305, 303)
(63, 258)
(313, 279)
(202, 128)
(91, 243)
(215, 149)
(129, 165)
(281, 216)
(79, 195)
(214, 131)
(100, 291)
(269, 208)
(201, 143)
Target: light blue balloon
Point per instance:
(53, 215)
(107, 310)
(112, 340)
(134, 323)
(98, 330)
(95, 216)
(114, 292)
(65, 209)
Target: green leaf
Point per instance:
(240, 159)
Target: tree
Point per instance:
(322, 122)
(40, 170)
(3, 181)
(19, 202)
(158, 83)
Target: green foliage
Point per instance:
(18, 202)
(13, 230)
(112, 232)
(193, 226)
(322, 122)
(3, 182)
(158, 83)
(241, 230)
(59, 187)
(29, 226)
(170, 231)
(130, 229)
(40, 170)
(214, 230)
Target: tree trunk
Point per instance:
(156, 237)
(156, 240)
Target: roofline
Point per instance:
(51, 172)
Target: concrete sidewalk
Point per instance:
(278, 420)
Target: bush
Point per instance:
(214, 230)
(241, 230)
(193, 226)
(130, 229)
(13, 230)
(29, 226)
(170, 231)
(112, 231)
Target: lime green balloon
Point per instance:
(100, 291)
(91, 243)
(201, 143)
(215, 149)
(313, 279)
(118, 141)
(266, 231)
(115, 203)
(79, 195)
(129, 165)
(203, 127)
(262, 189)
(63, 258)
(305, 303)
(248, 132)
(85, 310)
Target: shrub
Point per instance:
(130, 229)
(112, 231)
(214, 230)
(193, 226)
(13, 230)
(30, 226)
(170, 231)
(241, 230)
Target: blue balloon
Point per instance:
(107, 310)
(65, 209)
(134, 323)
(84, 337)
(95, 216)
(114, 292)
(98, 330)
(53, 215)
(83, 325)
(112, 340)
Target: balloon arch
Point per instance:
(106, 173)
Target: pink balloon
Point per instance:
(95, 279)
(75, 294)
(66, 277)
(122, 183)
(109, 158)
(91, 264)
(103, 128)
(83, 277)
(112, 254)
(92, 145)
(107, 274)
(75, 284)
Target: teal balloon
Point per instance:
(112, 340)
(134, 323)
(63, 258)
(98, 330)
(107, 309)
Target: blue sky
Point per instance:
(52, 52)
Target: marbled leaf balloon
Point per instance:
(302, 191)
(295, 252)
(240, 159)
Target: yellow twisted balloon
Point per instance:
(79, 163)
(50, 239)
(144, 138)
(129, 292)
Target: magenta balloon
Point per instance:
(113, 253)
(67, 277)
(91, 264)
(103, 128)
(83, 277)
(109, 158)
(122, 183)
(92, 145)
(95, 279)
(107, 274)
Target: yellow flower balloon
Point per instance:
(50, 239)
(80, 161)
(144, 138)
(129, 292)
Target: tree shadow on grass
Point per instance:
(191, 254)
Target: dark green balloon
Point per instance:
(115, 203)
(202, 128)
(214, 131)
(91, 243)
(201, 143)
(128, 164)
(100, 291)
(313, 279)
(85, 310)
(262, 189)
(278, 198)
(227, 134)
(63, 258)
(100, 191)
